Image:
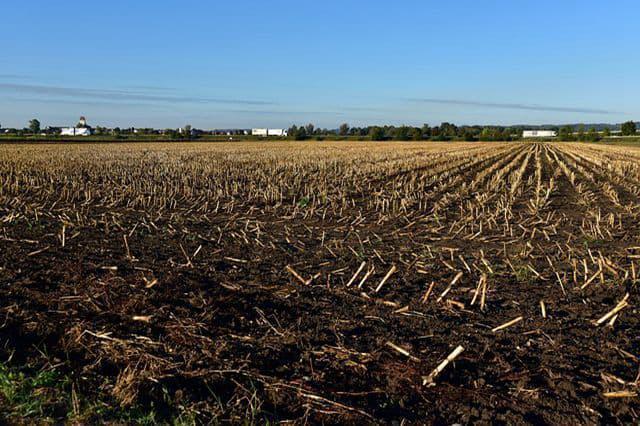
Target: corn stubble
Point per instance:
(331, 281)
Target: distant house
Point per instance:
(269, 132)
(539, 134)
(81, 129)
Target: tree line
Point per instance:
(444, 132)
(448, 131)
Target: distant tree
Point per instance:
(344, 129)
(310, 129)
(426, 131)
(34, 126)
(581, 135)
(293, 130)
(401, 133)
(566, 133)
(487, 134)
(300, 134)
(448, 130)
(606, 132)
(468, 135)
(592, 135)
(377, 133)
(416, 134)
(628, 128)
(187, 131)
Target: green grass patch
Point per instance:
(47, 397)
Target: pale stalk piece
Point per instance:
(64, 229)
(448, 289)
(109, 268)
(33, 253)
(466, 265)
(401, 350)
(353, 278)
(507, 324)
(310, 280)
(386, 277)
(151, 283)
(126, 246)
(483, 298)
(366, 276)
(429, 380)
(592, 279)
(186, 256)
(295, 274)
(621, 305)
(561, 285)
(620, 394)
(193, 256)
(455, 303)
(478, 288)
(142, 318)
(543, 309)
(613, 320)
(428, 293)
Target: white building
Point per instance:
(269, 132)
(81, 129)
(539, 134)
(75, 131)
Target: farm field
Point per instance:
(320, 282)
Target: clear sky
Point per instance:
(220, 64)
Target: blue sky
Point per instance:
(219, 64)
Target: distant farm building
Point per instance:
(81, 129)
(75, 131)
(539, 134)
(269, 132)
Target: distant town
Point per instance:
(443, 132)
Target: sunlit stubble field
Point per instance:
(337, 282)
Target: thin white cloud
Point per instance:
(118, 95)
(547, 108)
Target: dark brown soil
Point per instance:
(231, 333)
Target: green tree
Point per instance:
(416, 134)
(300, 134)
(468, 136)
(401, 133)
(34, 126)
(628, 128)
(606, 132)
(487, 134)
(448, 130)
(592, 135)
(581, 136)
(377, 133)
(344, 129)
(310, 128)
(426, 131)
(566, 133)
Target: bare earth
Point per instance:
(322, 282)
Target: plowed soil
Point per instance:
(213, 280)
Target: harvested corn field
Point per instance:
(320, 282)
